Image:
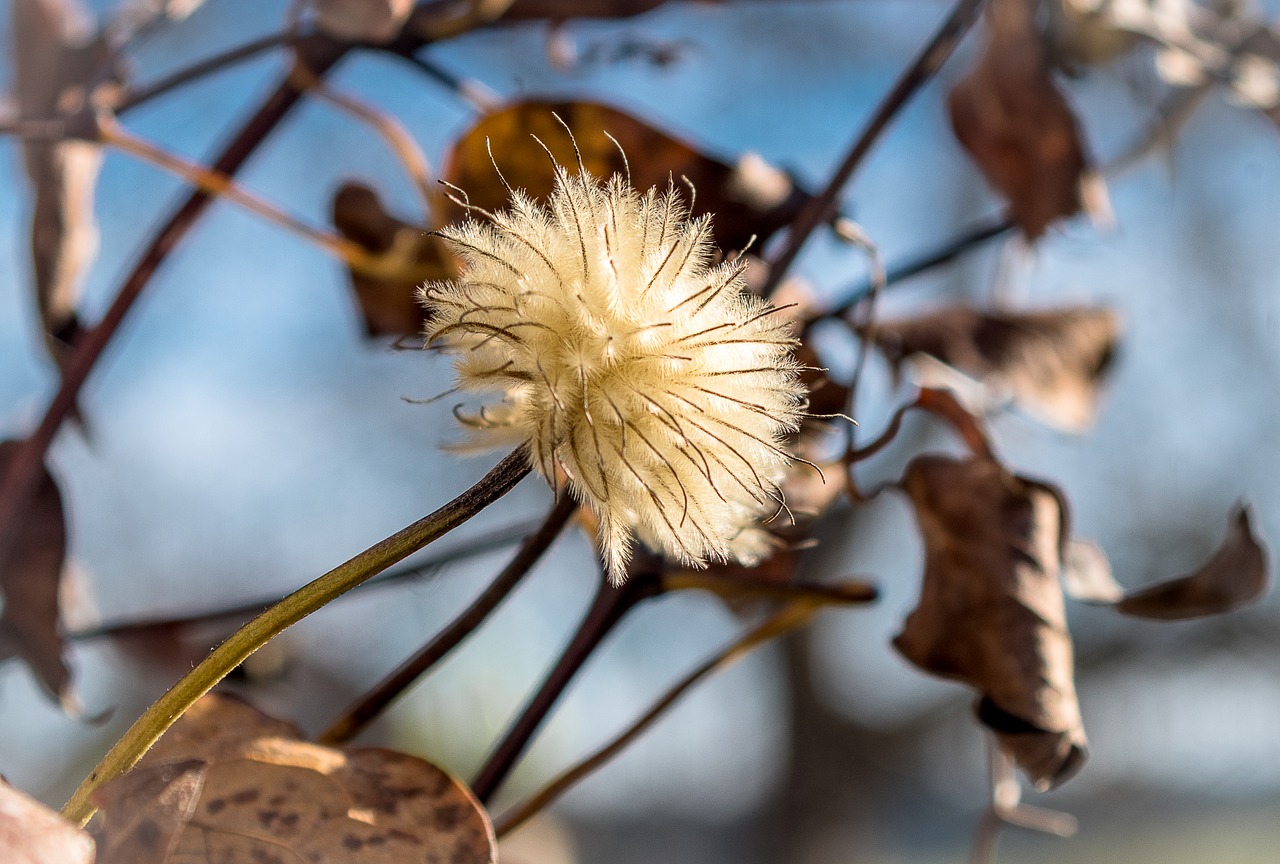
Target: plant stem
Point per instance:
(301, 603)
(480, 545)
(791, 617)
(610, 605)
(355, 718)
(319, 54)
(925, 261)
(822, 206)
(202, 68)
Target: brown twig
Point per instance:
(790, 618)
(428, 566)
(610, 605)
(18, 482)
(202, 69)
(738, 587)
(373, 703)
(822, 206)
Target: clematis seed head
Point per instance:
(648, 375)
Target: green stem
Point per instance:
(168, 708)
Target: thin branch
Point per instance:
(823, 206)
(397, 137)
(790, 618)
(240, 645)
(925, 261)
(218, 184)
(469, 90)
(359, 715)
(427, 567)
(1007, 809)
(202, 69)
(737, 587)
(610, 605)
(24, 469)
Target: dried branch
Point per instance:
(359, 715)
(789, 619)
(822, 206)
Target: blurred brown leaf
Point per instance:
(991, 609)
(229, 784)
(748, 198)
(31, 833)
(57, 59)
(361, 20)
(1235, 576)
(1011, 118)
(29, 579)
(388, 299)
(1052, 361)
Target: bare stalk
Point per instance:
(148, 728)
(823, 206)
(359, 715)
(790, 618)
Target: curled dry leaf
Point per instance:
(1052, 362)
(361, 20)
(29, 579)
(1011, 118)
(748, 197)
(1235, 576)
(31, 833)
(57, 58)
(408, 256)
(991, 610)
(230, 784)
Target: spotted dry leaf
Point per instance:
(31, 833)
(230, 785)
(30, 580)
(991, 609)
(1235, 576)
(748, 197)
(1011, 118)
(408, 257)
(1052, 362)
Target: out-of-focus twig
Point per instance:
(822, 206)
(790, 618)
(358, 716)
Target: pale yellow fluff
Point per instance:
(651, 377)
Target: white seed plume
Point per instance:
(659, 386)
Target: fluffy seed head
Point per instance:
(660, 388)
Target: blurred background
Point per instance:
(244, 437)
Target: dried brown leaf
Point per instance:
(1235, 576)
(748, 197)
(991, 610)
(29, 580)
(31, 833)
(1011, 118)
(1052, 362)
(408, 256)
(230, 784)
(57, 59)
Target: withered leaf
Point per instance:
(991, 610)
(31, 833)
(1235, 576)
(410, 256)
(1052, 362)
(1011, 118)
(229, 784)
(748, 197)
(29, 579)
(57, 57)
